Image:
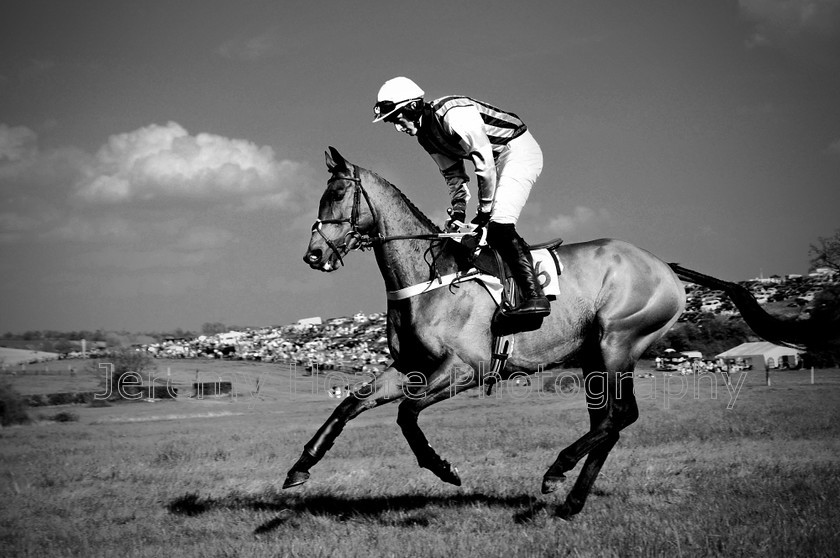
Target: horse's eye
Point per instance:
(337, 193)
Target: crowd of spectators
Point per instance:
(356, 344)
(684, 366)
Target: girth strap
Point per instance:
(492, 284)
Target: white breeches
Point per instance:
(517, 168)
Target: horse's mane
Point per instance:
(414, 209)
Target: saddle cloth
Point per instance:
(485, 270)
(547, 265)
(548, 268)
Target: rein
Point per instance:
(356, 240)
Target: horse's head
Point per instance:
(345, 216)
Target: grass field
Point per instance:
(756, 474)
(11, 358)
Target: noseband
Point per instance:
(354, 239)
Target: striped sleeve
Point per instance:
(465, 122)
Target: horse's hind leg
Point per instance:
(385, 387)
(567, 459)
(612, 407)
(620, 413)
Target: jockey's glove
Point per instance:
(455, 221)
(481, 218)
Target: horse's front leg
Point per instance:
(385, 387)
(450, 379)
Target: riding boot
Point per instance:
(517, 254)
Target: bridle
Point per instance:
(355, 239)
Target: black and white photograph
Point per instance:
(463, 278)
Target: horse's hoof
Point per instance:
(550, 484)
(445, 472)
(449, 474)
(295, 478)
(453, 477)
(565, 512)
(442, 469)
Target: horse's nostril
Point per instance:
(312, 257)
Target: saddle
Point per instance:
(488, 261)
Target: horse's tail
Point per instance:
(789, 332)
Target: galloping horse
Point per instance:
(615, 300)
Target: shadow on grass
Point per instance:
(405, 510)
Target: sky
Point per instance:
(161, 161)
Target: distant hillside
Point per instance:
(14, 357)
(788, 297)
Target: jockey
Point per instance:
(507, 162)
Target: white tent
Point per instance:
(763, 353)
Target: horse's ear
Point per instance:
(335, 161)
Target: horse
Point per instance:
(615, 301)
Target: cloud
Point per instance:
(17, 143)
(24, 168)
(154, 163)
(774, 19)
(167, 162)
(834, 148)
(806, 30)
(144, 211)
(583, 218)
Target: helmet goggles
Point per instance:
(388, 110)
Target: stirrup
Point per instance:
(538, 306)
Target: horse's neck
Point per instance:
(401, 262)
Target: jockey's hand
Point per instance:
(456, 221)
(481, 218)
